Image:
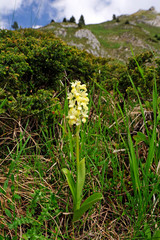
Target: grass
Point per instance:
(116, 37)
(121, 162)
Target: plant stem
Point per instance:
(77, 158)
(77, 144)
(73, 232)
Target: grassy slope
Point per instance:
(35, 197)
(117, 38)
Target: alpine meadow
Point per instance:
(80, 130)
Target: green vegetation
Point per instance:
(119, 141)
(81, 21)
(116, 37)
(15, 25)
(72, 19)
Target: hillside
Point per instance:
(139, 31)
(116, 146)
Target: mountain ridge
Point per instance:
(117, 38)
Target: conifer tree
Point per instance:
(64, 19)
(72, 19)
(114, 17)
(81, 22)
(15, 25)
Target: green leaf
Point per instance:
(16, 196)
(2, 190)
(8, 213)
(141, 137)
(147, 231)
(80, 181)
(3, 103)
(156, 236)
(134, 165)
(70, 183)
(158, 118)
(150, 152)
(86, 205)
(5, 186)
(25, 237)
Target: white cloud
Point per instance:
(36, 26)
(3, 24)
(96, 11)
(6, 6)
(125, 6)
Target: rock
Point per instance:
(61, 31)
(155, 22)
(69, 25)
(92, 40)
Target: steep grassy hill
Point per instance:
(139, 31)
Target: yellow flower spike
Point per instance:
(78, 112)
(78, 101)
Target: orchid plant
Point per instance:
(77, 114)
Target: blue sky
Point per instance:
(36, 13)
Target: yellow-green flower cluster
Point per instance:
(78, 101)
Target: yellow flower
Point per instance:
(78, 101)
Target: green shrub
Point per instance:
(31, 60)
(41, 106)
(143, 79)
(127, 22)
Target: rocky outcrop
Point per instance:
(155, 22)
(69, 25)
(60, 32)
(91, 40)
